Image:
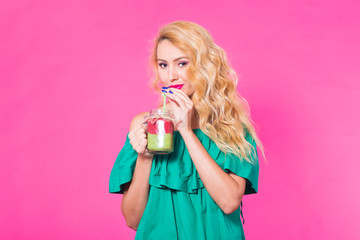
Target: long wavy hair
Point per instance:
(223, 114)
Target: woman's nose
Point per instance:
(173, 74)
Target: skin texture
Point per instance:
(226, 189)
(136, 192)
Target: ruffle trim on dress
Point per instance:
(123, 169)
(176, 170)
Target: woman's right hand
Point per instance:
(138, 138)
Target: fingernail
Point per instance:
(164, 91)
(170, 92)
(165, 87)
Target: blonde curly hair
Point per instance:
(223, 114)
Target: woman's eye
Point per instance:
(183, 64)
(163, 65)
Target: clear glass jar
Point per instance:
(160, 134)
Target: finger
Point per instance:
(131, 133)
(137, 126)
(182, 103)
(137, 142)
(177, 99)
(182, 95)
(187, 101)
(141, 127)
(143, 145)
(132, 136)
(141, 135)
(170, 96)
(136, 132)
(174, 101)
(145, 120)
(175, 106)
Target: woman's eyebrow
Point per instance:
(175, 60)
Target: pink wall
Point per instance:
(74, 73)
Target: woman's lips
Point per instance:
(178, 86)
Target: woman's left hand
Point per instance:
(182, 109)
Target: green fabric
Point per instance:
(179, 207)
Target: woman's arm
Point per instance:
(137, 191)
(136, 195)
(225, 189)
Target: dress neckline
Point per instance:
(194, 130)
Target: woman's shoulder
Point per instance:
(138, 119)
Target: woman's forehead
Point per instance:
(168, 51)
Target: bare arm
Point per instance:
(225, 189)
(137, 191)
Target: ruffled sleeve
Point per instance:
(239, 166)
(123, 168)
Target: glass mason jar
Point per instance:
(160, 134)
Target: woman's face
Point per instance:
(173, 66)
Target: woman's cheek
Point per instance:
(162, 76)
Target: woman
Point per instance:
(196, 191)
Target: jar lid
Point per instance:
(161, 112)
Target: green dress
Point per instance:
(179, 206)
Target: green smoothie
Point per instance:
(160, 134)
(160, 143)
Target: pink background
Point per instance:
(74, 73)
